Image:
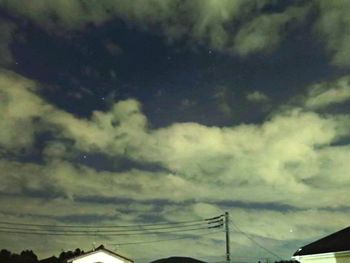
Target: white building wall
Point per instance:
(341, 257)
(317, 260)
(99, 257)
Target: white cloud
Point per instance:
(257, 96)
(20, 111)
(333, 27)
(264, 32)
(327, 93)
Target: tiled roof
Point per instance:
(336, 242)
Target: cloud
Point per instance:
(60, 211)
(27, 113)
(20, 111)
(333, 28)
(264, 33)
(325, 94)
(305, 224)
(292, 159)
(241, 162)
(7, 30)
(235, 27)
(241, 27)
(257, 96)
(224, 96)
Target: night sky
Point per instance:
(151, 111)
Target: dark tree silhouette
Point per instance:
(69, 254)
(26, 256)
(5, 256)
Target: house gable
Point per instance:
(100, 255)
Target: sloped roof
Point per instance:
(336, 242)
(52, 259)
(100, 248)
(178, 260)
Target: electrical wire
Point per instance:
(162, 240)
(131, 230)
(255, 242)
(95, 233)
(218, 222)
(206, 220)
(110, 230)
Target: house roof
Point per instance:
(100, 248)
(52, 259)
(178, 260)
(332, 243)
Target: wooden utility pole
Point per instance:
(227, 230)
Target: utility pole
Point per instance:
(227, 230)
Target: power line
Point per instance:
(161, 240)
(94, 233)
(255, 242)
(213, 224)
(97, 232)
(206, 220)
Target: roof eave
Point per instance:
(318, 255)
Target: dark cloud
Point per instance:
(7, 32)
(203, 21)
